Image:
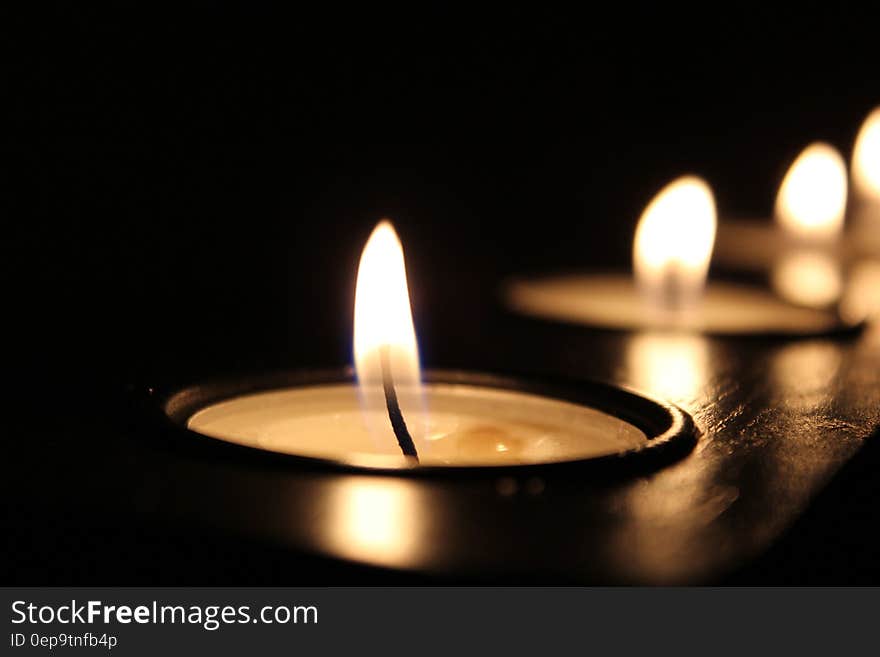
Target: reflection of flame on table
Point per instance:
(804, 372)
(862, 298)
(670, 524)
(808, 278)
(672, 365)
(374, 519)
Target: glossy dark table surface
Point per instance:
(111, 496)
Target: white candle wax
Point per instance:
(465, 425)
(614, 301)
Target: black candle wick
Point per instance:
(405, 441)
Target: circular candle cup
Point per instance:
(476, 422)
(614, 301)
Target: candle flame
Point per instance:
(812, 197)
(383, 323)
(866, 158)
(673, 243)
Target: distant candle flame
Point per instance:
(812, 198)
(866, 159)
(383, 322)
(673, 243)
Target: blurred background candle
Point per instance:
(810, 207)
(823, 248)
(672, 252)
(815, 204)
(673, 246)
(808, 216)
(862, 295)
(865, 206)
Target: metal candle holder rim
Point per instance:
(670, 430)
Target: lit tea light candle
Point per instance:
(392, 418)
(862, 296)
(808, 215)
(865, 206)
(815, 192)
(810, 207)
(671, 255)
(803, 248)
(811, 260)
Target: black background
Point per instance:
(190, 187)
